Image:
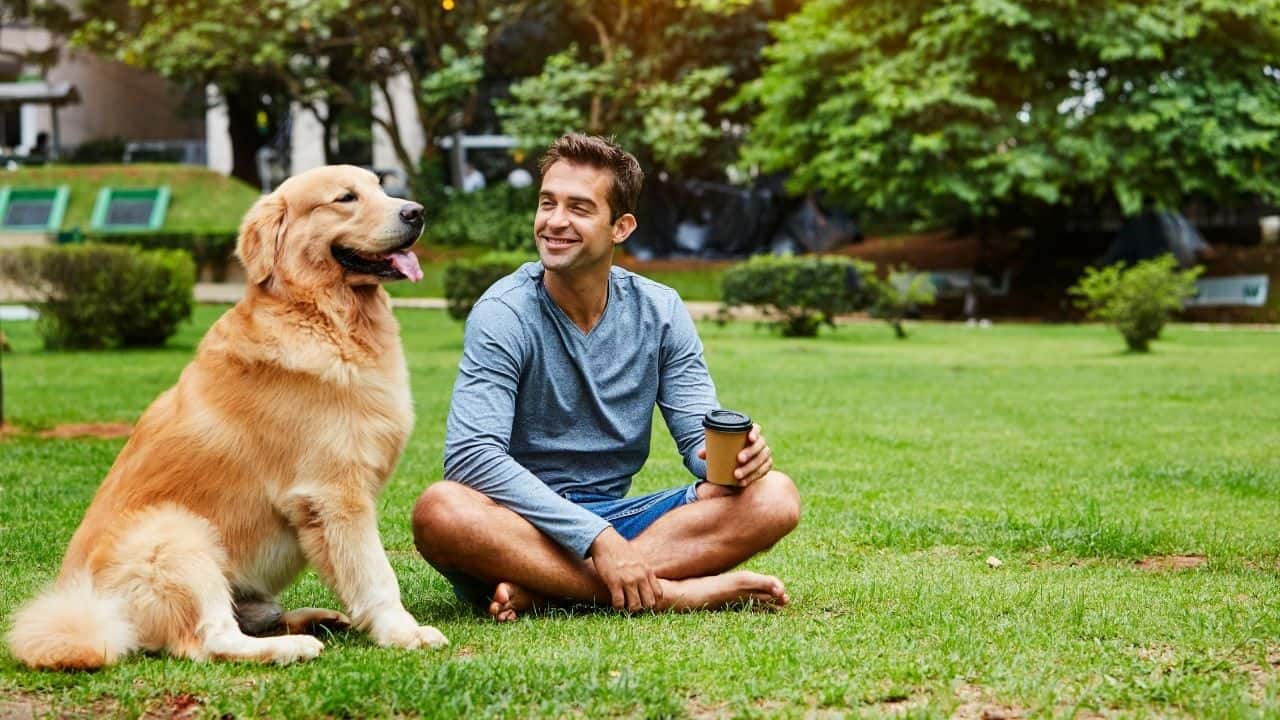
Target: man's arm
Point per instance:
(685, 390)
(478, 434)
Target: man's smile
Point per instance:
(559, 242)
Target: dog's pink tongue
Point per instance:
(407, 263)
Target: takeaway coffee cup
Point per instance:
(726, 436)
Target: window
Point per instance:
(130, 209)
(32, 209)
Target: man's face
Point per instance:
(572, 228)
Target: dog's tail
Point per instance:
(72, 626)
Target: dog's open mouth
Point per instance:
(394, 265)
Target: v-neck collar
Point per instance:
(564, 316)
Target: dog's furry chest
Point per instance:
(365, 425)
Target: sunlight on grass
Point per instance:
(1046, 447)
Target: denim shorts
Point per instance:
(630, 516)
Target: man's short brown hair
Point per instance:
(602, 153)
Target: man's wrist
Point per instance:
(607, 539)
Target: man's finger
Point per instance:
(615, 590)
(633, 598)
(751, 467)
(646, 593)
(765, 469)
(752, 450)
(657, 586)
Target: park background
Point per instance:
(1003, 519)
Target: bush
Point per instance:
(799, 294)
(102, 296)
(901, 293)
(466, 280)
(499, 217)
(98, 151)
(209, 248)
(1138, 300)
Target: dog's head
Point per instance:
(330, 225)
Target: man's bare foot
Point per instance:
(509, 600)
(717, 591)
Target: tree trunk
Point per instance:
(242, 125)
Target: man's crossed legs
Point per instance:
(690, 549)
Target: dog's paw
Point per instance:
(412, 636)
(293, 648)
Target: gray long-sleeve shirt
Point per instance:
(539, 408)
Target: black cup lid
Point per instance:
(726, 421)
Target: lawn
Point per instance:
(1082, 468)
(202, 199)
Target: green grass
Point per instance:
(1045, 446)
(202, 199)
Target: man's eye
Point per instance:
(349, 197)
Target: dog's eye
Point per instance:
(349, 197)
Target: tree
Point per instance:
(654, 75)
(52, 16)
(246, 50)
(320, 54)
(990, 109)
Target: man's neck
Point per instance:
(582, 296)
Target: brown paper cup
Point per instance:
(726, 436)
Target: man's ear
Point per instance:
(260, 236)
(623, 227)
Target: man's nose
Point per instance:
(559, 217)
(411, 213)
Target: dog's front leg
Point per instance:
(338, 533)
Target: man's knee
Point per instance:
(442, 509)
(775, 504)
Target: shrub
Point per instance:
(97, 151)
(101, 296)
(466, 280)
(500, 217)
(901, 293)
(799, 294)
(209, 248)
(1137, 300)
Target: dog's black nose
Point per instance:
(411, 213)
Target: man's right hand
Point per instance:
(632, 584)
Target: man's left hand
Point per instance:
(754, 462)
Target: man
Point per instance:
(562, 364)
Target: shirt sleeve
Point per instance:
(685, 390)
(478, 432)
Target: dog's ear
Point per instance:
(260, 236)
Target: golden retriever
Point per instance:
(267, 455)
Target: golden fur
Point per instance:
(267, 455)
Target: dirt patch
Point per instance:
(1261, 674)
(1172, 562)
(26, 705)
(174, 707)
(700, 709)
(23, 707)
(9, 429)
(97, 430)
(898, 704)
(977, 704)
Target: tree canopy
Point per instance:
(971, 109)
(653, 74)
